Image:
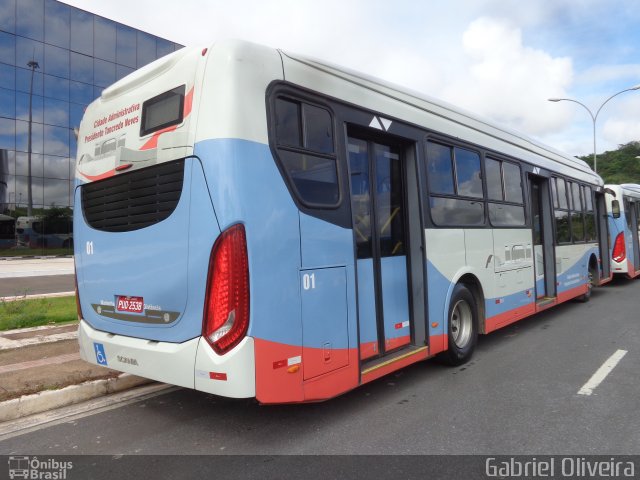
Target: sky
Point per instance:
(500, 59)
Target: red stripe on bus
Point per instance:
(188, 103)
(101, 176)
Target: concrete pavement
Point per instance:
(36, 267)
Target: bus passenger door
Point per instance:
(377, 200)
(604, 240)
(543, 242)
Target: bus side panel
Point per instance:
(514, 278)
(246, 187)
(327, 286)
(572, 264)
(445, 254)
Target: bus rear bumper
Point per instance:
(191, 364)
(161, 361)
(230, 375)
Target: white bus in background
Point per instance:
(345, 227)
(41, 232)
(623, 210)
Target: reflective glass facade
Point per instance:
(77, 54)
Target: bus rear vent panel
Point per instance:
(133, 200)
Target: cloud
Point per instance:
(608, 73)
(498, 58)
(508, 81)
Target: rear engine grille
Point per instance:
(134, 200)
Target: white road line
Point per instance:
(606, 368)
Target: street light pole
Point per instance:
(594, 118)
(32, 65)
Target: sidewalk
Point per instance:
(35, 267)
(40, 367)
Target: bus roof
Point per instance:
(565, 164)
(632, 189)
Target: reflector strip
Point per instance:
(218, 376)
(279, 364)
(294, 360)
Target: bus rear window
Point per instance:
(162, 111)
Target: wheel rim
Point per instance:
(461, 323)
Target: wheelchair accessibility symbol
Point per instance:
(101, 357)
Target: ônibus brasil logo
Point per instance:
(33, 468)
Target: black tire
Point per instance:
(462, 330)
(591, 282)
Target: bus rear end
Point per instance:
(147, 239)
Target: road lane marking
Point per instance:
(606, 368)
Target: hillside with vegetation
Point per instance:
(618, 166)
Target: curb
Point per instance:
(52, 399)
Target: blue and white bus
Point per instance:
(623, 210)
(254, 223)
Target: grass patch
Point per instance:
(36, 312)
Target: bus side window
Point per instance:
(563, 230)
(504, 188)
(305, 149)
(454, 172)
(627, 211)
(590, 215)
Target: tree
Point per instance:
(618, 166)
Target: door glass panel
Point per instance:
(389, 201)
(360, 196)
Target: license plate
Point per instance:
(129, 304)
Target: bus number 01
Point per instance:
(309, 281)
(89, 248)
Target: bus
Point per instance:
(250, 222)
(45, 232)
(623, 211)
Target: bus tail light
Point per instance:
(226, 314)
(619, 251)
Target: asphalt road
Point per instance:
(517, 396)
(16, 286)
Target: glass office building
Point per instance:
(54, 60)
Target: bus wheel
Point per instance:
(585, 297)
(463, 326)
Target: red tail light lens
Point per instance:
(226, 314)
(619, 251)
